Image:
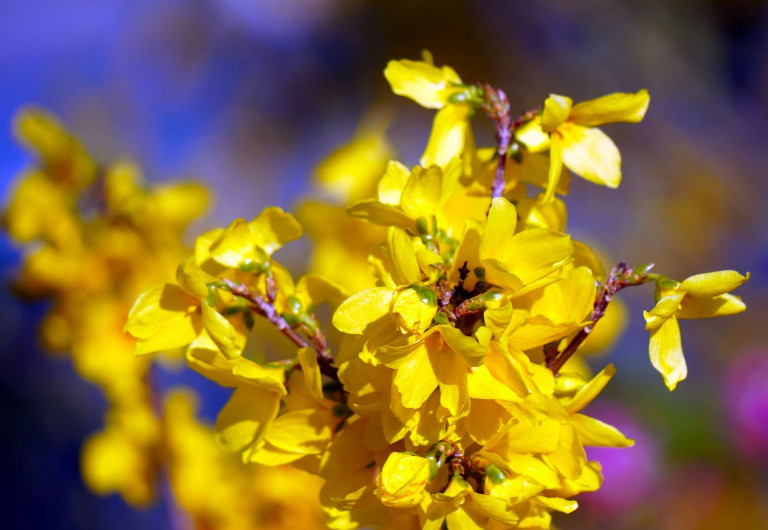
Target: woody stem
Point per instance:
(261, 306)
(620, 276)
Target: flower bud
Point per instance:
(402, 480)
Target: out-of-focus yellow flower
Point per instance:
(700, 296)
(570, 133)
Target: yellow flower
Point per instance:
(422, 81)
(402, 480)
(574, 141)
(700, 296)
(524, 261)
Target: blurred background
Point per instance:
(249, 95)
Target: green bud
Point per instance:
(667, 283)
(250, 265)
(440, 318)
(494, 474)
(210, 300)
(433, 469)
(421, 226)
(479, 272)
(515, 153)
(290, 319)
(426, 295)
(294, 303)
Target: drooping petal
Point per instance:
(499, 228)
(449, 135)
(666, 352)
(378, 213)
(243, 420)
(589, 391)
(591, 154)
(595, 433)
(405, 268)
(618, 107)
(719, 306)
(555, 168)
(222, 332)
(711, 284)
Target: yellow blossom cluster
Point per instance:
(438, 395)
(96, 237)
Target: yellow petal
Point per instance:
(588, 392)
(164, 318)
(392, 183)
(243, 420)
(269, 377)
(595, 433)
(666, 352)
(497, 273)
(499, 228)
(664, 308)
(591, 154)
(719, 306)
(416, 379)
(360, 309)
(569, 458)
(451, 373)
(555, 168)
(235, 244)
(413, 314)
(311, 371)
(535, 253)
(532, 467)
(532, 136)
(405, 268)
(556, 503)
(317, 290)
(626, 107)
(192, 279)
(300, 431)
(448, 136)
(467, 347)
(421, 195)
(420, 81)
(222, 332)
(495, 508)
(555, 112)
(381, 214)
(273, 228)
(712, 284)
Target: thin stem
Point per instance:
(266, 309)
(620, 277)
(496, 105)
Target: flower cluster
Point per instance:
(442, 392)
(96, 237)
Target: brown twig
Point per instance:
(620, 277)
(261, 306)
(496, 105)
